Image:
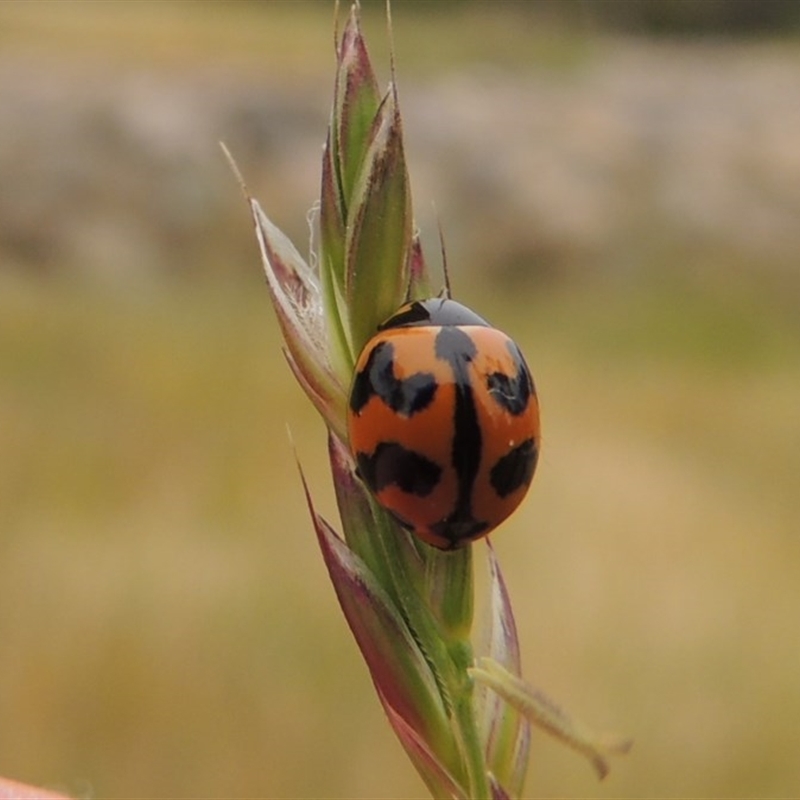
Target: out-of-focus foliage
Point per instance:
(706, 17)
(648, 17)
(586, 152)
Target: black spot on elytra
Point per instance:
(391, 463)
(512, 392)
(459, 528)
(515, 469)
(406, 396)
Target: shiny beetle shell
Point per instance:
(443, 422)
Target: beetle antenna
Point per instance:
(446, 290)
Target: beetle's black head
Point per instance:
(437, 311)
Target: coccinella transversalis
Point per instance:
(443, 422)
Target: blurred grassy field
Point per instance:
(295, 37)
(168, 629)
(166, 626)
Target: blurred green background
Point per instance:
(619, 186)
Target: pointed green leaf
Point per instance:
(506, 732)
(296, 297)
(332, 262)
(437, 778)
(397, 561)
(397, 666)
(379, 229)
(356, 102)
(542, 711)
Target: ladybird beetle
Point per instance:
(443, 421)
